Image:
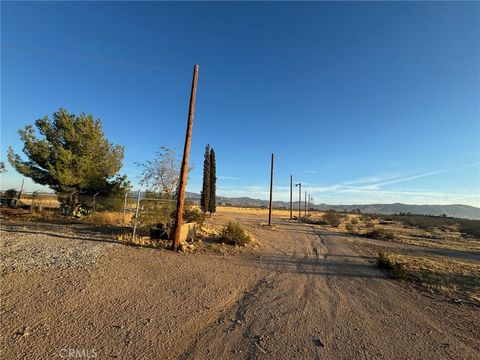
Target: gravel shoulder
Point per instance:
(305, 293)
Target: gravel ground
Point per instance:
(306, 293)
(31, 250)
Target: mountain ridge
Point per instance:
(451, 210)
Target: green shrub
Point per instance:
(234, 233)
(154, 212)
(113, 203)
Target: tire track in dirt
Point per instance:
(379, 318)
(319, 297)
(279, 302)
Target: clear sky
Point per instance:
(362, 102)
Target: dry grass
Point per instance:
(458, 279)
(50, 202)
(109, 218)
(254, 211)
(145, 241)
(448, 238)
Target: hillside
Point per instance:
(454, 210)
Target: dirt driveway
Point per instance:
(304, 294)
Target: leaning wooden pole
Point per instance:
(271, 193)
(184, 168)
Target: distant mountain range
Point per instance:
(454, 210)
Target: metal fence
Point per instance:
(134, 210)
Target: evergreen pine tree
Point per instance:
(212, 205)
(70, 155)
(205, 195)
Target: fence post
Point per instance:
(33, 201)
(136, 216)
(125, 206)
(21, 189)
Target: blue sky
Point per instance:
(362, 102)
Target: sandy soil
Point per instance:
(304, 294)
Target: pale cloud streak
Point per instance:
(369, 190)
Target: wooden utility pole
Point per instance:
(305, 212)
(299, 200)
(271, 192)
(291, 196)
(184, 168)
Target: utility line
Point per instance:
(55, 53)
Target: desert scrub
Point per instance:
(395, 269)
(312, 220)
(108, 218)
(332, 218)
(193, 214)
(368, 221)
(234, 233)
(350, 227)
(459, 279)
(381, 234)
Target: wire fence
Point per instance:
(139, 211)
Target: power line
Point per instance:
(57, 54)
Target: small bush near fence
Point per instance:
(154, 212)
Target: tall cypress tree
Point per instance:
(205, 195)
(212, 204)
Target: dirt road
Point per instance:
(305, 294)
